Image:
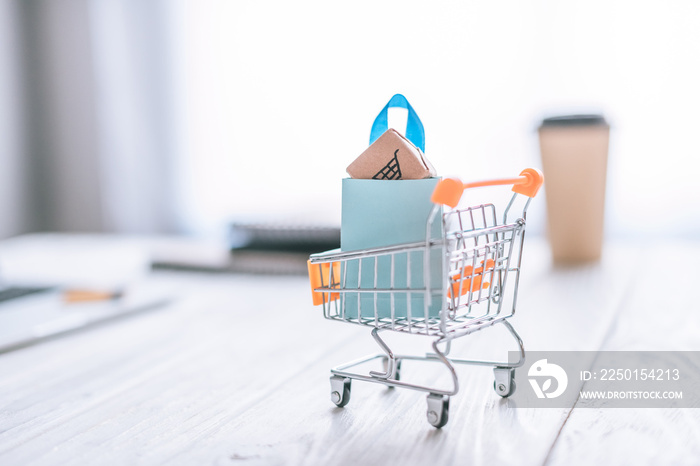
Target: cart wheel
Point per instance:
(504, 385)
(502, 391)
(340, 390)
(438, 409)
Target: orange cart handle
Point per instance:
(448, 191)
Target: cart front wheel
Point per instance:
(340, 390)
(504, 385)
(438, 409)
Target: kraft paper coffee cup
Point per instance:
(574, 151)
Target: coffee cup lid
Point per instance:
(574, 120)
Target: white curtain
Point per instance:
(86, 94)
(131, 43)
(12, 167)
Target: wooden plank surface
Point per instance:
(660, 313)
(237, 371)
(382, 426)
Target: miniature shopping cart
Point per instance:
(444, 287)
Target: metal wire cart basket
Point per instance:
(445, 288)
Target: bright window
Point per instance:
(277, 98)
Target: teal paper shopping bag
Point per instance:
(391, 209)
(379, 213)
(406, 304)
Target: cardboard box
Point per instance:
(391, 157)
(377, 213)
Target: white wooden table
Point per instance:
(236, 372)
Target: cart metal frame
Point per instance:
(480, 259)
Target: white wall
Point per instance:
(278, 97)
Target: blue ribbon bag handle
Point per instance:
(414, 127)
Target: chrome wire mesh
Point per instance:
(469, 271)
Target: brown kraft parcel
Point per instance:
(391, 157)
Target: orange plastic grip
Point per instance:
(449, 190)
(464, 279)
(319, 277)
